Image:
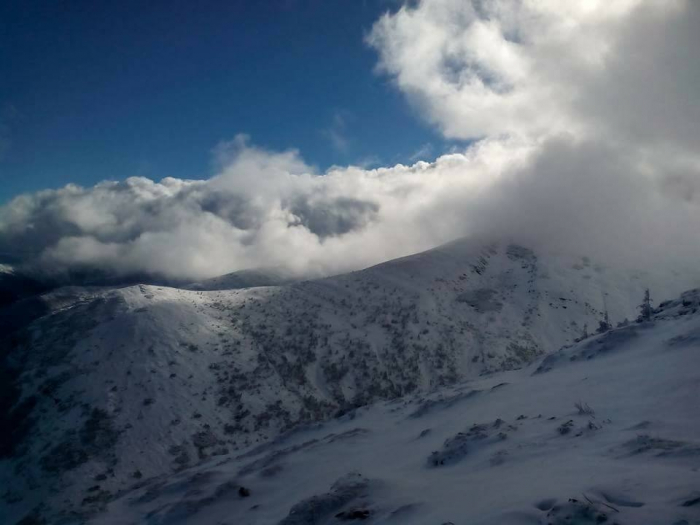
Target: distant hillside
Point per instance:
(244, 279)
(15, 286)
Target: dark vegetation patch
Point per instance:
(96, 437)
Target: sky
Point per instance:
(107, 90)
(322, 137)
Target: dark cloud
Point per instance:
(328, 218)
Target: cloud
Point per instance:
(422, 153)
(488, 67)
(263, 208)
(603, 92)
(336, 133)
(583, 130)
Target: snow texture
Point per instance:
(436, 388)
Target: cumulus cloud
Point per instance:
(532, 67)
(603, 92)
(262, 209)
(585, 135)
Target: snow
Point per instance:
(636, 458)
(150, 385)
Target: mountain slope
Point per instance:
(245, 279)
(605, 431)
(15, 285)
(115, 385)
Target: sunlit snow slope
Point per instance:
(110, 386)
(605, 431)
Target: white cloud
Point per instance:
(262, 209)
(538, 67)
(588, 137)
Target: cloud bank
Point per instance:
(585, 133)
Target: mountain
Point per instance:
(110, 386)
(245, 279)
(603, 431)
(15, 285)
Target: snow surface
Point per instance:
(511, 448)
(122, 385)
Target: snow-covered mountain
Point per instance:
(245, 279)
(605, 431)
(113, 386)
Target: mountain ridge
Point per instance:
(156, 379)
(602, 431)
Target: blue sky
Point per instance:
(97, 90)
